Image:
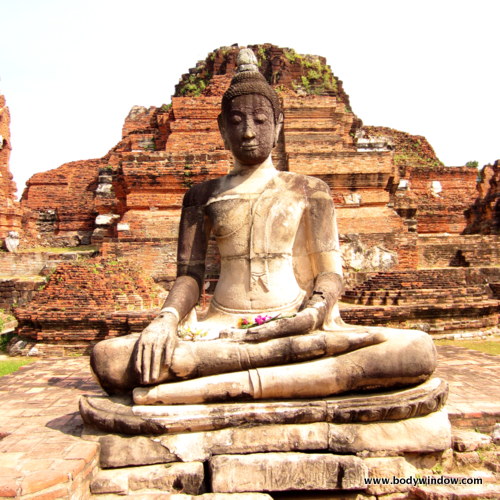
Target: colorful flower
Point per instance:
(262, 318)
(243, 323)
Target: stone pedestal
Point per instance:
(331, 444)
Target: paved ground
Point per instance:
(40, 451)
(474, 399)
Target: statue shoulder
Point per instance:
(199, 194)
(306, 183)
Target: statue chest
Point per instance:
(265, 223)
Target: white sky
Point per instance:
(72, 69)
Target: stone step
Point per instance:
(365, 295)
(181, 496)
(185, 478)
(442, 318)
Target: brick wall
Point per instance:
(10, 213)
(22, 264)
(484, 215)
(61, 203)
(443, 211)
(458, 251)
(91, 300)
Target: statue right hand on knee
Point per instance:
(155, 347)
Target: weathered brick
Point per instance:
(41, 480)
(10, 211)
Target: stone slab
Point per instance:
(185, 478)
(465, 440)
(427, 434)
(115, 417)
(260, 439)
(457, 492)
(388, 467)
(117, 451)
(205, 496)
(286, 472)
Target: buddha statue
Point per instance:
(280, 266)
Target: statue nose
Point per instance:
(249, 132)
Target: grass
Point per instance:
(11, 365)
(487, 346)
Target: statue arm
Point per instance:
(324, 252)
(156, 345)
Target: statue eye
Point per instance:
(235, 119)
(260, 117)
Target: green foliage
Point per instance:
(188, 173)
(4, 340)
(414, 158)
(261, 54)
(474, 164)
(437, 469)
(149, 145)
(318, 78)
(313, 74)
(4, 318)
(305, 83)
(165, 107)
(194, 86)
(8, 366)
(291, 55)
(487, 346)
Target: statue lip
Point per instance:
(249, 147)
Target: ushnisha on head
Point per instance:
(251, 117)
(249, 80)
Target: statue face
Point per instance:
(248, 128)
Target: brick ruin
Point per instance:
(10, 212)
(399, 209)
(90, 300)
(484, 215)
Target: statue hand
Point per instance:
(305, 321)
(155, 348)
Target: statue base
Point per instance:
(114, 414)
(328, 444)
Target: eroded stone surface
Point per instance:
(118, 451)
(496, 434)
(150, 495)
(465, 440)
(426, 434)
(175, 478)
(112, 417)
(285, 472)
(388, 467)
(456, 492)
(265, 438)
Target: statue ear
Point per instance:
(277, 129)
(222, 130)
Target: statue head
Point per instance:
(251, 117)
